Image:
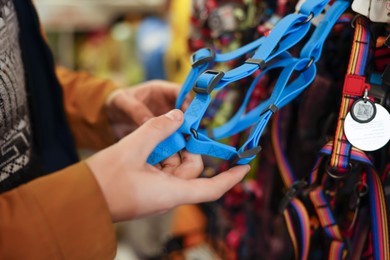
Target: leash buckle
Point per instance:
(203, 60)
(216, 78)
(295, 189)
(246, 154)
(338, 173)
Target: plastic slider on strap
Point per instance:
(259, 62)
(295, 189)
(211, 85)
(246, 154)
(196, 62)
(272, 108)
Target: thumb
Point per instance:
(154, 131)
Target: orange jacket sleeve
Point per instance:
(84, 97)
(60, 216)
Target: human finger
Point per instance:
(186, 103)
(138, 112)
(210, 189)
(162, 94)
(170, 164)
(191, 166)
(169, 90)
(154, 131)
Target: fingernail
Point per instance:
(174, 115)
(247, 168)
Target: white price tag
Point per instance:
(361, 7)
(380, 11)
(369, 136)
(375, 10)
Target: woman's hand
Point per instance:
(128, 108)
(133, 188)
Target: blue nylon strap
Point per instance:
(230, 127)
(313, 48)
(280, 97)
(281, 38)
(206, 52)
(239, 121)
(205, 145)
(286, 34)
(189, 82)
(194, 113)
(224, 57)
(166, 148)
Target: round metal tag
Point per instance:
(363, 110)
(369, 136)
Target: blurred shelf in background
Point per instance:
(98, 35)
(84, 15)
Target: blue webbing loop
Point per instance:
(313, 48)
(286, 34)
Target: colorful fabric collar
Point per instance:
(354, 86)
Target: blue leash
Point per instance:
(270, 53)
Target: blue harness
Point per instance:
(269, 53)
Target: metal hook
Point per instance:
(365, 95)
(194, 133)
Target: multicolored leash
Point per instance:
(337, 249)
(290, 181)
(342, 152)
(291, 206)
(378, 212)
(354, 88)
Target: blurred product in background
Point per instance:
(153, 38)
(110, 52)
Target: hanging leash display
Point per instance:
(286, 34)
(378, 213)
(323, 185)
